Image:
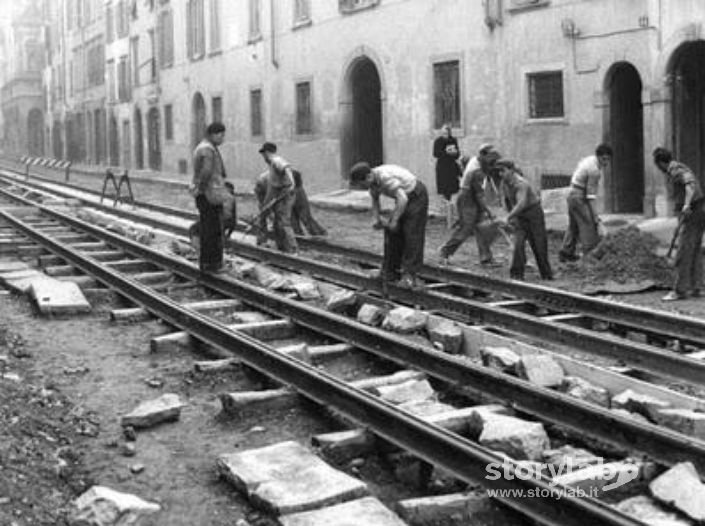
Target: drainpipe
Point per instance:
(273, 33)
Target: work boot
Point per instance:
(673, 296)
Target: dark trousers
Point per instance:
(301, 213)
(581, 225)
(530, 226)
(405, 245)
(283, 232)
(689, 262)
(471, 220)
(211, 234)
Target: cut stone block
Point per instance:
(639, 403)
(628, 414)
(570, 457)
(681, 488)
(250, 317)
(305, 288)
(520, 439)
(500, 358)
(233, 403)
(413, 390)
(601, 477)
(286, 478)
(21, 280)
(424, 408)
(342, 445)
(540, 369)
(481, 414)
(362, 512)
(682, 420)
(58, 297)
(341, 301)
(370, 315)
(455, 508)
(268, 278)
(163, 409)
(101, 506)
(445, 334)
(584, 390)
(215, 365)
(648, 511)
(405, 320)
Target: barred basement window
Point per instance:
(446, 94)
(304, 122)
(546, 95)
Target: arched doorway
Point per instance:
(35, 132)
(57, 144)
(688, 74)
(114, 141)
(361, 116)
(198, 119)
(139, 144)
(155, 153)
(624, 131)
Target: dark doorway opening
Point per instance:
(361, 119)
(624, 185)
(139, 142)
(688, 73)
(114, 141)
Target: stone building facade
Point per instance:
(336, 81)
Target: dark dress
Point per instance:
(447, 168)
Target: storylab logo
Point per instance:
(611, 475)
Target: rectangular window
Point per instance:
(111, 81)
(217, 109)
(195, 41)
(165, 29)
(256, 127)
(121, 19)
(123, 80)
(255, 20)
(215, 25)
(446, 94)
(109, 24)
(546, 95)
(304, 121)
(153, 58)
(302, 11)
(135, 53)
(168, 122)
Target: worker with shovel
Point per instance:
(281, 191)
(405, 232)
(690, 205)
(526, 220)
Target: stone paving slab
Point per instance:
(287, 478)
(21, 280)
(53, 297)
(362, 512)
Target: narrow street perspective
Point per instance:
(352, 263)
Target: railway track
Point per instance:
(566, 321)
(459, 456)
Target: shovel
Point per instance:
(674, 239)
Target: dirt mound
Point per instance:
(627, 255)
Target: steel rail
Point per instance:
(661, 444)
(677, 326)
(463, 458)
(634, 354)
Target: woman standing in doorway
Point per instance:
(447, 153)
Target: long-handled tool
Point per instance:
(674, 239)
(254, 223)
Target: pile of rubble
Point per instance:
(627, 255)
